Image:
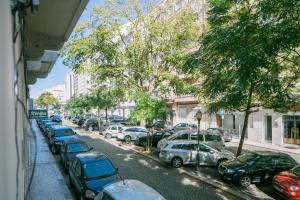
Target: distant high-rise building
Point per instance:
(69, 83)
(58, 92)
(77, 84)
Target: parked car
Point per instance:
(45, 127)
(225, 134)
(255, 167)
(128, 190)
(184, 126)
(287, 183)
(112, 131)
(39, 120)
(91, 124)
(132, 133)
(70, 148)
(90, 172)
(56, 118)
(43, 121)
(205, 137)
(154, 139)
(57, 135)
(180, 153)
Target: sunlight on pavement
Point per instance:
(147, 164)
(187, 181)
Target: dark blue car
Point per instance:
(90, 172)
(70, 148)
(57, 134)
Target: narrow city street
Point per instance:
(163, 178)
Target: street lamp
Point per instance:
(198, 117)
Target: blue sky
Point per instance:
(57, 74)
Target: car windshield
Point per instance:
(213, 138)
(296, 170)
(247, 158)
(77, 147)
(98, 169)
(64, 132)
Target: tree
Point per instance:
(77, 105)
(46, 99)
(105, 98)
(134, 48)
(247, 59)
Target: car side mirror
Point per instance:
(117, 169)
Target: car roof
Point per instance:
(91, 156)
(60, 127)
(132, 189)
(183, 142)
(270, 153)
(73, 140)
(135, 127)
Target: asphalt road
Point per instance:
(163, 178)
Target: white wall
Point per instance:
(8, 156)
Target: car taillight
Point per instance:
(190, 128)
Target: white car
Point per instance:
(206, 137)
(112, 131)
(128, 190)
(132, 133)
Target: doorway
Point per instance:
(269, 128)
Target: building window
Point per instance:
(183, 111)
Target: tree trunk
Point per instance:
(106, 116)
(244, 131)
(245, 126)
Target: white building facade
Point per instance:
(58, 92)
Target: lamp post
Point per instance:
(198, 117)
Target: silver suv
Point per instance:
(180, 153)
(132, 133)
(205, 137)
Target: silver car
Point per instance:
(205, 137)
(132, 133)
(226, 134)
(112, 131)
(180, 153)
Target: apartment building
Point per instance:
(58, 92)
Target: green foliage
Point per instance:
(248, 56)
(45, 100)
(149, 108)
(145, 53)
(78, 105)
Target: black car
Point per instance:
(90, 172)
(70, 148)
(56, 118)
(57, 135)
(91, 124)
(154, 139)
(255, 167)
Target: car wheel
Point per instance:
(108, 136)
(177, 162)
(53, 150)
(220, 162)
(91, 128)
(245, 181)
(127, 139)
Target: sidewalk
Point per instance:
(286, 148)
(48, 182)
